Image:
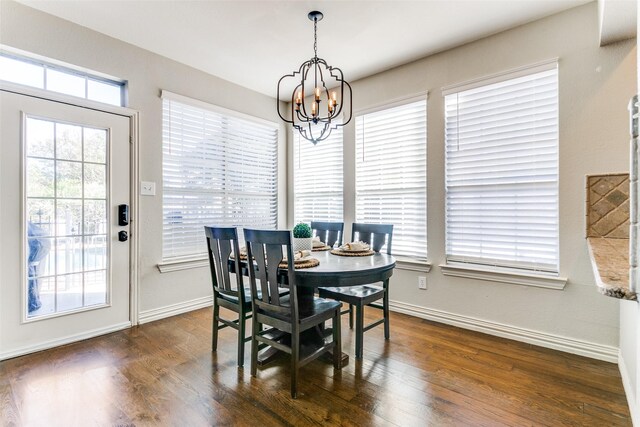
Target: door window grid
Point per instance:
(67, 241)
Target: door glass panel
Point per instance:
(40, 211)
(40, 138)
(95, 287)
(40, 175)
(69, 293)
(66, 217)
(68, 142)
(95, 145)
(69, 255)
(69, 217)
(94, 181)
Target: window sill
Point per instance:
(514, 278)
(182, 264)
(411, 264)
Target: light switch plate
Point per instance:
(147, 188)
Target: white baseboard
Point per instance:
(62, 341)
(629, 391)
(556, 342)
(174, 309)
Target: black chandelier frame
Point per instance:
(316, 127)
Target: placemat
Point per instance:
(343, 253)
(312, 262)
(321, 248)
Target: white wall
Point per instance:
(147, 74)
(595, 85)
(630, 330)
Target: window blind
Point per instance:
(218, 169)
(502, 173)
(391, 174)
(318, 178)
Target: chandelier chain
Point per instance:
(315, 37)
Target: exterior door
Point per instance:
(64, 273)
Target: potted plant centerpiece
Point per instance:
(302, 239)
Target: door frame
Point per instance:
(134, 138)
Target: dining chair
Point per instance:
(377, 236)
(221, 242)
(282, 313)
(329, 232)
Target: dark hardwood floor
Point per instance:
(163, 373)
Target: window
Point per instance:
(502, 171)
(317, 174)
(60, 79)
(66, 192)
(219, 168)
(391, 174)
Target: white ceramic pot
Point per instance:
(302, 243)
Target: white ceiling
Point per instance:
(253, 43)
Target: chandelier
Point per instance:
(317, 94)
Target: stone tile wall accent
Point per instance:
(608, 206)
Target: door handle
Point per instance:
(123, 236)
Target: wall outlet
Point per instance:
(422, 282)
(147, 188)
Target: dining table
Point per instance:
(333, 271)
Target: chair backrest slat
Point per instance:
(221, 243)
(376, 235)
(329, 232)
(268, 249)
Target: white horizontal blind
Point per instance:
(502, 173)
(219, 170)
(318, 178)
(391, 174)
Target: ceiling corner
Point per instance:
(617, 20)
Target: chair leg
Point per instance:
(295, 362)
(350, 316)
(255, 328)
(385, 309)
(337, 342)
(214, 333)
(241, 334)
(359, 330)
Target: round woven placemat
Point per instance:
(312, 262)
(343, 253)
(321, 248)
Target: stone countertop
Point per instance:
(610, 261)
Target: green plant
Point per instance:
(302, 231)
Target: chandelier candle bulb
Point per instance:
(317, 94)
